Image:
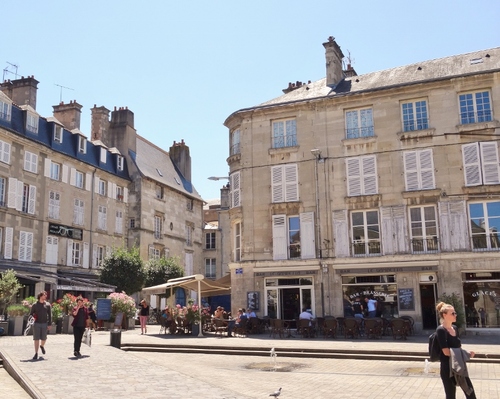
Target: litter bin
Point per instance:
(115, 338)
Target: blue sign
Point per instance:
(239, 271)
(103, 310)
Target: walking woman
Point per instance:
(448, 339)
(80, 314)
(143, 316)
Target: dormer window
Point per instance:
(82, 145)
(119, 162)
(58, 134)
(103, 155)
(5, 109)
(32, 122)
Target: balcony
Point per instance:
(289, 140)
(429, 245)
(417, 124)
(365, 248)
(475, 117)
(359, 132)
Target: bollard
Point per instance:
(115, 338)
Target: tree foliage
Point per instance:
(9, 286)
(159, 271)
(455, 300)
(125, 269)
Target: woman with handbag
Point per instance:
(81, 315)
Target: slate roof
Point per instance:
(438, 69)
(150, 158)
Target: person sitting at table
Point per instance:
(169, 322)
(251, 313)
(219, 312)
(305, 315)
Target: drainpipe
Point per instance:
(92, 189)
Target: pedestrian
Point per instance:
(371, 305)
(81, 315)
(482, 315)
(143, 315)
(42, 313)
(448, 339)
(357, 307)
(92, 317)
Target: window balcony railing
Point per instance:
(424, 245)
(357, 132)
(235, 149)
(290, 140)
(475, 117)
(417, 124)
(119, 198)
(365, 248)
(484, 243)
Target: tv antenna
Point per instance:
(6, 70)
(350, 60)
(62, 87)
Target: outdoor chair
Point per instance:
(351, 327)
(320, 324)
(241, 328)
(330, 327)
(340, 324)
(277, 327)
(400, 328)
(220, 327)
(306, 329)
(255, 326)
(373, 328)
(411, 323)
(163, 325)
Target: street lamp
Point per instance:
(217, 178)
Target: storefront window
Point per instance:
(482, 299)
(286, 297)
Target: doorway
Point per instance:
(428, 306)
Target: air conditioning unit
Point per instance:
(428, 277)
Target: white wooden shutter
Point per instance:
(341, 233)
(48, 165)
(490, 167)
(235, 190)
(65, 173)
(369, 175)
(94, 256)
(426, 169)
(72, 176)
(103, 155)
(307, 234)
(472, 164)
(85, 263)
(110, 190)
(32, 200)
(88, 182)
(125, 195)
(9, 238)
(454, 233)
(51, 253)
(29, 247)
(19, 195)
(69, 253)
(394, 230)
(96, 185)
(353, 177)
(6, 153)
(12, 193)
(277, 184)
(22, 246)
(291, 183)
(411, 170)
(280, 247)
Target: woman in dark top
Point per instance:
(80, 314)
(448, 338)
(143, 315)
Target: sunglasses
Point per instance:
(453, 313)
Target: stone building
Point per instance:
(383, 185)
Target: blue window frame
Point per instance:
(475, 107)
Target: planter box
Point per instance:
(5, 326)
(131, 323)
(53, 329)
(66, 327)
(16, 325)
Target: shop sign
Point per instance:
(372, 293)
(285, 273)
(484, 293)
(369, 270)
(65, 231)
(83, 288)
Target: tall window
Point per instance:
(485, 225)
(414, 115)
(159, 191)
(189, 235)
(4, 152)
(55, 171)
(284, 133)
(102, 218)
(235, 142)
(359, 123)
(102, 187)
(154, 253)
(235, 189)
(79, 179)
(293, 236)
(82, 144)
(210, 267)
(424, 234)
(119, 193)
(78, 212)
(76, 253)
(2, 192)
(5, 110)
(158, 229)
(481, 166)
(237, 242)
(419, 170)
(31, 122)
(30, 162)
(99, 255)
(361, 176)
(54, 204)
(58, 133)
(25, 246)
(210, 240)
(119, 162)
(284, 183)
(475, 107)
(51, 250)
(119, 222)
(365, 233)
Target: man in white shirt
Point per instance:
(251, 313)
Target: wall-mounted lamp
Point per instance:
(316, 153)
(216, 178)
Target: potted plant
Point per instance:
(16, 313)
(57, 315)
(122, 303)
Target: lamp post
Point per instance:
(217, 178)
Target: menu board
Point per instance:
(103, 309)
(406, 299)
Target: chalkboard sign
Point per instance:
(103, 311)
(118, 319)
(406, 299)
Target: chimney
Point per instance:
(68, 114)
(21, 91)
(121, 133)
(179, 154)
(350, 72)
(122, 116)
(334, 57)
(225, 201)
(99, 123)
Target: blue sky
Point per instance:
(184, 67)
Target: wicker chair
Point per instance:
(241, 328)
(220, 327)
(351, 327)
(277, 328)
(330, 327)
(373, 328)
(400, 328)
(306, 330)
(411, 323)
(255, 326)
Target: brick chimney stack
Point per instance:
(68, 114)
(179, 154)
(21, 91)
(100, 123)
(334, 56)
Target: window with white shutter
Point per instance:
(25, 246)
(51, 250)
(3, 187)
(189, 264)
(102, 218)
(307, 234)
(361, 176)
(365, 233)
(119, 222)
(30, 162)
(9, 242)
(419, 170)
(4, 152)
(235, 189)
(481, 164)
(341, 233)
(12, 193)
(78, 212)
(54, 205)
(280, 251)
(237, 242)
(284, 183)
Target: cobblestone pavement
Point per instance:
(106, 372)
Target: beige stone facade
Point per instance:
(385, 184)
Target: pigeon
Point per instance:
(276, 394)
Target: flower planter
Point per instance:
(195, 329)
(16, 325)
(53, 329)
(59, 325)
(131, 323)
(67, 328)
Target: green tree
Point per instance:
(9, 286)
(159, 271)
(124, 269)
(455, 300)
